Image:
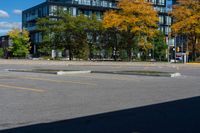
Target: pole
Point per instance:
(182, 49)
(187, 50)
(175, 48)
(168, 47)
(153, 49)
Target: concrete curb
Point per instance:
(72, 72)
(173, 75)
(103, 72)
(56, 72)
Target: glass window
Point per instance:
(161, 2)
(161, 19)
(168, 20)
(52, 10)
(161, 29)
(104, 3)
(87, 12)
(44, 11)
(167, 30)
(153, 1)
(74, 11)
(98, 15)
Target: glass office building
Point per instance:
(86, 7)
(48, 8)
(164, 7)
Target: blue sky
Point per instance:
(10, 13)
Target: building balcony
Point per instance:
(95, 3)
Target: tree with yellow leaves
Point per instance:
(135, 18)
(186, 16)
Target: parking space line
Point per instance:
(21, 88)
(75, 82)
(50, 80)
(57, 81)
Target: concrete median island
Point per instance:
(63, 72)
(142, 73)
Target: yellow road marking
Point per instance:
(193, 63)
(20, 88)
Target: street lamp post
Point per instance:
(187, 54)
(182, 49)
(175, 49)
(168, 47)
(153, 49)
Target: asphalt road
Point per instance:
(99, 103)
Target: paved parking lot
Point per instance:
(28, 99)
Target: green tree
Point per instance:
(66, 32)
(74, 35)
(81, 49)
(52, 35)
(67, 23)
(20, 43)
(159, 48)
(94, 31)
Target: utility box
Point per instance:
(53, 53)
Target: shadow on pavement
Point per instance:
(181, 116)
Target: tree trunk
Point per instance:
(114, 53)
(129, 52)
(70, 53)
(115, 48)
(129, 49)
(90, 51)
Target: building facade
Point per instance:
(48, 8)
(86, 7)
(5, 42)
(165, 21)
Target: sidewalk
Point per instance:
(88, 63)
